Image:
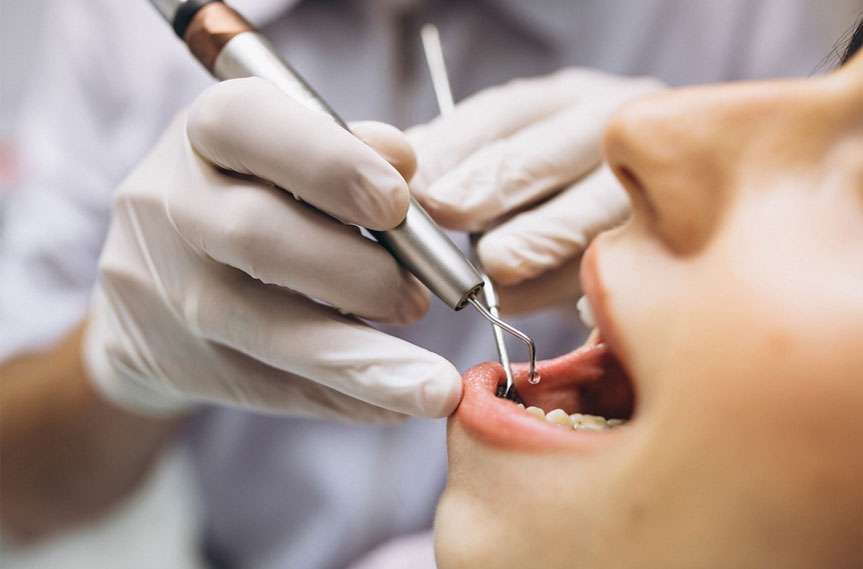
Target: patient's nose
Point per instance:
(671, 152)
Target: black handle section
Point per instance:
(186, 13)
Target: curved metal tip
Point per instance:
(533, 377)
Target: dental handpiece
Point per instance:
(229, 47)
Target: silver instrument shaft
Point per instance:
(229, 47)
(440, 81)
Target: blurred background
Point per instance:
(19, 47)
(167, 504)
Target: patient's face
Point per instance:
(730, 312)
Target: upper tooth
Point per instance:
(536, 411)
(559, 417)
(585, 312)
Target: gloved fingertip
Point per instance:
(441, 393)
(391, 143)
(382, 197)
(390, 187)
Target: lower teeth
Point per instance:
(577, 421)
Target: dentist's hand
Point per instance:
(523, 163)
(211, 263)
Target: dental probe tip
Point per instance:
(533, 377)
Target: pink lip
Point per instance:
(499, 422)
(593, 288)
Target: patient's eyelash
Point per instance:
(855, 43)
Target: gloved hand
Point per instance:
(523, 163)
(209, 268)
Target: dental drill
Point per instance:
(229, 47)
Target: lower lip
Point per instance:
(501, 423)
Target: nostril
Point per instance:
(628, 178)
(636, 189)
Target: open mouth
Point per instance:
(585, 397)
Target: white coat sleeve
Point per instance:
(84, 121)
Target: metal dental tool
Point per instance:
(229, 47)
(507, 390)
(440, 81)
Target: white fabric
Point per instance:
(156, 526)
(289, 492)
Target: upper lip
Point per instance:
(597, 295)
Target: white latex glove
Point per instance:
(209, 267)
(523, 162)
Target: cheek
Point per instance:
(794, 289)
(758, 328)
(749, 370)
(800, 302)
(761, 359)
(765, 382)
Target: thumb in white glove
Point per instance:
(209, 269)
(523, 163)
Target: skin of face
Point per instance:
(734, 296)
